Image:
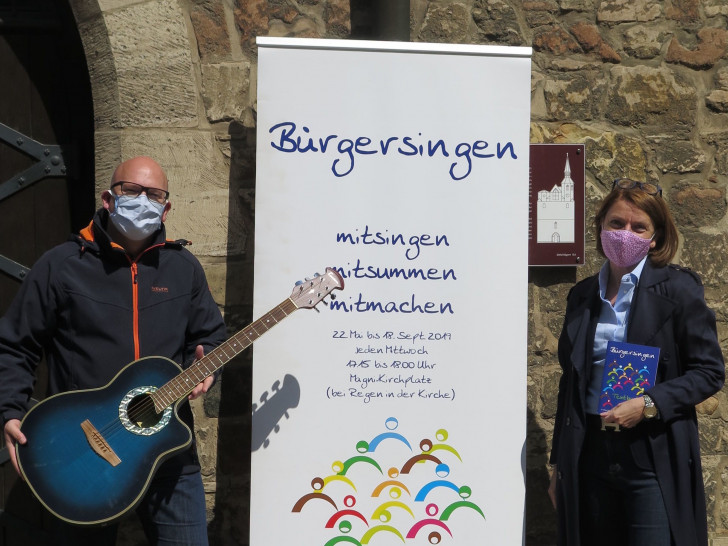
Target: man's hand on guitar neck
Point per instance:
(14, 436)
(206, 383)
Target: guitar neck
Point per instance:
(184, 383)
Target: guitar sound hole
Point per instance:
(141, 411)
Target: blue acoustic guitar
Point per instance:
(91, 454)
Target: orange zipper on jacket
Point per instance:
(135, 298)
(135, 309)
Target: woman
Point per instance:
(632, 475)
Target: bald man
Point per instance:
(117, 292)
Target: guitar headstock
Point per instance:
(309, 293)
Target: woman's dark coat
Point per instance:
(668, 311)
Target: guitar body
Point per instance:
(91, 487)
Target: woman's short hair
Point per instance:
(666, 237)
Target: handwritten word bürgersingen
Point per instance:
(287, 138)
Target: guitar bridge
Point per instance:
(99, 444)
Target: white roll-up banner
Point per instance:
(392, 180)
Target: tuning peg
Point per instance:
(316, 275)
(299, 283)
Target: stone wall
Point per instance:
(642, 83)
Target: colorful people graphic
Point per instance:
(395, 510)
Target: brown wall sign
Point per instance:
(556, 205)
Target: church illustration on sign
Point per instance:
(555, 213)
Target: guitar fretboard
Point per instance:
(184, 383)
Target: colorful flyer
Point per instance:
(629, 370)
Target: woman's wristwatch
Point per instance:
(650, 411)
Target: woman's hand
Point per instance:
(627, 414)
(552, 487)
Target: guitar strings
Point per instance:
(146, 409)
(175, 389)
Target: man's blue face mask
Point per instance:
(136, 217)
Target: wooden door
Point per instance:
(46, 181)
